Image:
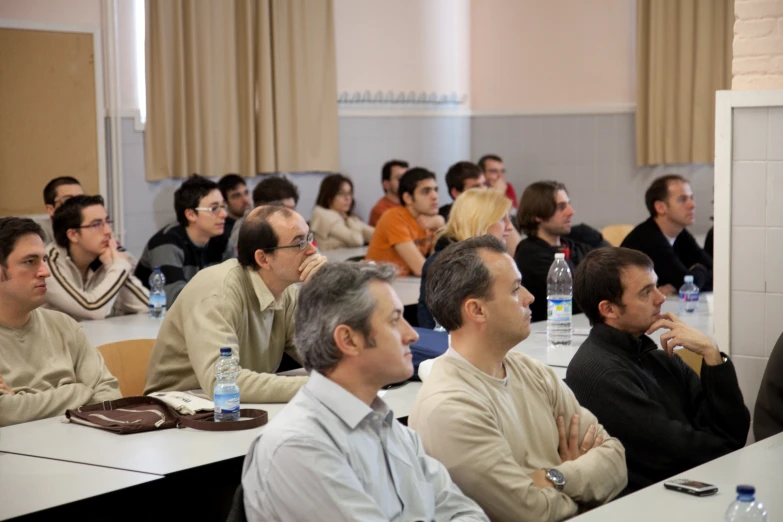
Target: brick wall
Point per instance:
(758, 44)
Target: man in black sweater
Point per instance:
(545, 214)
(673, 250)
(768, 414)
(668, 418)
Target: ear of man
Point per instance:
(608, 309)
(348, 341)
(475, 311)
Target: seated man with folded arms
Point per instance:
(665, 239)
(405, 235)
(276, 190)
(391, 173)
(246, 304)
(55, 194)
(768, 413)
(236, 196)
(336, 452)
(91, 277)
(510, 432)
(668, 418)
(196, 241)
(47, 365)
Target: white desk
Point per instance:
(157, 452)
(343, 254)
(30, 484)
(760, 465)
(122, 328)
(407, 287)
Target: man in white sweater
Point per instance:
(47, 365)
(510, 432)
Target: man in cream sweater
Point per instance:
(47, 365)
(246, 304)
(511, 434)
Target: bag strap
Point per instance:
(255, 419)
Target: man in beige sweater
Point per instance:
(47, 365)
(511, 434)
(246, 304)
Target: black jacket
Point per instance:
(668, 419)
(534, 258)
(422, 312)
(768, 415)
(672, 262)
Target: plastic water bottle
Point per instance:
(689, 295)
(226, 389)
(559, 293)
(746, 508)
(157, 294)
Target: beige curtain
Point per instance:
(684, 53)
(245, 86)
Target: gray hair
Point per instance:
(458, 273)
(337, 294)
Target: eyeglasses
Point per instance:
(300, 245)
(97, 226)
(215, 209)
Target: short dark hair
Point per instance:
(482, 162)
(410, 180)
(659, 191)
(230, 182)
(69, 216)
(387, 168)
(599, 278)
(330, 186)
(461, 172)
(257, 234)
(50, 190)
(537, 201)
(459, 273)
(11, 229)
(189, 194)
(274, 188)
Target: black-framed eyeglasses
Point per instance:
(97, 226)
(300, 245)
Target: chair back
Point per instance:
(614, 234)
(691, 359)
(127, 361)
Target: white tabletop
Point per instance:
(343, 254)
(407, 287)
(759, 465)
(157, 452)
(122, 328)
(30, 484)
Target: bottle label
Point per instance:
(558, 310)
(689, 297)
(157, 301)
(226, 402)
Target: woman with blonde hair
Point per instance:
(476, 212)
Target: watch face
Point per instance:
(557, 478)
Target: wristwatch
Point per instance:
(556, 478)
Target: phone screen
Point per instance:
(696, 484)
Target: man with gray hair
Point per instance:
(496, 418)
(335, 451)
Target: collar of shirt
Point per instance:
(265, 297)
(345, 405)
(451, 352)
(622, 342)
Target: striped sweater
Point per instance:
(179, 258)
(105, 291)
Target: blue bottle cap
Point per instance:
(225, 351)
(743, 489)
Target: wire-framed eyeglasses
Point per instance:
(300, 245)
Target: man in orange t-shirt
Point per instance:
(404, 235)
(391, 173)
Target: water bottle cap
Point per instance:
(225, 351)
(688, 279)
(744, 489)
(560, 255)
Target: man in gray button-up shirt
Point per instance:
(335, 452)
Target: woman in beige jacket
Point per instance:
(333, 223)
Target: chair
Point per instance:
(691, 359)
(127, 361)
(614, 234)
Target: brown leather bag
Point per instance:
(138, 414)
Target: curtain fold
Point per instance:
(683, 54)
(246, 86)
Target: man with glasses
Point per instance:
(91, 276)
(246, 304)
(196, 241)
(55, 194)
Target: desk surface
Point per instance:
(31, 484)
(344, 254)
(760, 465)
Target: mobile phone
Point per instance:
(691, 487)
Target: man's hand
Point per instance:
(5, 388)
(110, 254)
(569, 448)
(432, 223)
(310, 266)
(681, 334)
(667, 290)
(540, 480)
(500, 186)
